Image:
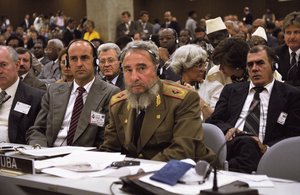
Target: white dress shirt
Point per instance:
(264, 105)
(62, 134)
(5, 110)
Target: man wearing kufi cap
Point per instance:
(216, 31)
(259, 37)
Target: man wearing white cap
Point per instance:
(259, 37)
(216, 31)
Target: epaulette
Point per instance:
(174, 90)
(118, 97)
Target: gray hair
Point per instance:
(233, 24)
(186, 57)
(12, 52)
(148, 46)
(291, 19)
(108, 46)
(57, 42)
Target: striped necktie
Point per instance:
(252, 120)
(78, 105)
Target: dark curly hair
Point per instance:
(232, 52)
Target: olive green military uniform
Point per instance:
(171, 128)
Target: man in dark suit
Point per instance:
(147, 28)
(38, 50)
(289, 53)
(74, 113)
(27, 76)
(26, 22)
(170, 23)
(108, 55)
(152, 118)
(68, 34)
(168, 41)
(279, 108)
(19, 103)
(128, 27)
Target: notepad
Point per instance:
(171, 172)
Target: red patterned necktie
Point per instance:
(78, 105)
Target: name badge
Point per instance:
(282, 117)
(21, 107)
(97, 119)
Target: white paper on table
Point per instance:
(75, 175)
(131, 170)
(55, 151)
(252, 180)
(95, 160)
(189, 188)
(108, 172)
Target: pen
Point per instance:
(191, 182)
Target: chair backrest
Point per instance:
(214, 138)
(282, 160)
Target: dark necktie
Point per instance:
(252, 120)
(293, 71)
(4, 97)
(78, 105)
(138, 125)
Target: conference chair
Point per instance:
(214, 138)
(282, 160)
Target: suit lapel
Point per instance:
(274, 108)
(15, 116)
(93, 100)
(238, 98)
(60, 103)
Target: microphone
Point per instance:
(231, 189)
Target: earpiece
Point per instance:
(175, 35)
(275, 62)
(95, 54)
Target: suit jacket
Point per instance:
(146, 30)
(54, 105)
(32, 81)
(283, 99)
(171, 127)
(50, 72)
(284, 61)
(18, 123)
(44, 60)
(120, 82)
(174, 25)
(68, 36)
(133, 28)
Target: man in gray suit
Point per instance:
(54, 124)
(27, 76)
(50, 73)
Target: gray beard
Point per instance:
(142, 101)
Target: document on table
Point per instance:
(81, 159)
(224, 177)
(55, 151)
(92, 164)
(192, 188)
(253, 180)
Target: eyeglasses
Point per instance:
(108, 61)
(200, 64)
